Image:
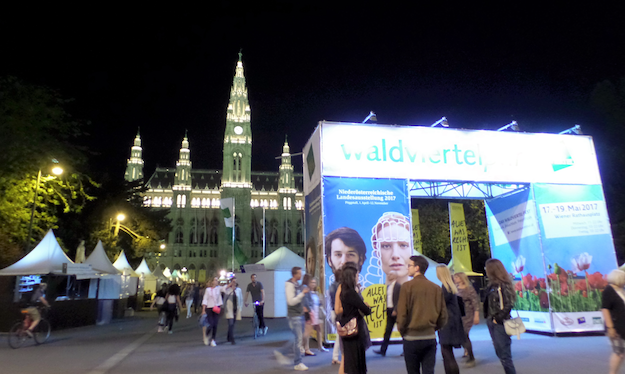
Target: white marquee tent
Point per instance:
(149, 279)
(46, 258)
(283, 259)
(111, 280)
(130, 278)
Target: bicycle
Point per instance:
(255, 320)
(18, 333)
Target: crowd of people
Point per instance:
(420, 309)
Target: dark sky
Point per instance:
(167, 70)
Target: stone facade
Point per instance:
(198, 240)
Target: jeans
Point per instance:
(259, 313)
(297, 328)
(213, 319)
(189, 302)
(390, 322)
(231, 323)
(420, 356)
(502, 344)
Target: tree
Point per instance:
(35, 129)
(143, 229)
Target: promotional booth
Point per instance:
(544, 201)
(108, 288)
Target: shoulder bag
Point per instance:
(513, 326)
(350, 329)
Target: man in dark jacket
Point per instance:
(421, 311)
(392, 298)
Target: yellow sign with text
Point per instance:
(416, 232)
(459, 240)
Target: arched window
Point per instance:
(156, 202)
(213, 237)
(299, 235)
(181, 201)
(166, 202)
(179, 235)
(272, 232)
(287, 231)
(206, 202)
(195, 202)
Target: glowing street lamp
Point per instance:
(514, 126)
(56, 170)
(441, 122)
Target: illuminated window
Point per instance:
(195, 202)
(215, 203)
(299, 205)
(273, 204)
(147, 201)
(167, 202)
(156, 202)
(181, 201)
(206, 202)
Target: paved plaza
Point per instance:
(133, 346)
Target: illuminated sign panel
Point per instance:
(424, 153)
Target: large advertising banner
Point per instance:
(367, 221)
(459, 239)
(579, 253)
(515, 241)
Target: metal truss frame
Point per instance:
(462, 190)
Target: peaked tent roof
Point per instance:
(158, 273)
(122, 265)
(47, 257)
(145, 270)
(100, 262)
(282, 259)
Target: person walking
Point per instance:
(159, 301)
(337, 349)
(233, 303)
(211, 306)
(392, 297)
(471, 317)
(173, 303)
(198, 295)
(499, 292)
(258, 295)
(188, 298)
(421, 311)
(352, 306)
(295, 315)
(613, 309)
(452, 334)
(314, 304)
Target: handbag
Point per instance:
(350, 329)
(216, 309)
(513, 326)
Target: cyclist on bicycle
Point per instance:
(258, 295)
(38, 297)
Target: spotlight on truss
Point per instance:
(514, 126)
(577, 129)
(371, 117)
(442, 122)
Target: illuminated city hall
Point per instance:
(198, 239)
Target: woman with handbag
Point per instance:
(452, 334)
(211, 306)
(351, 326)
(500, 298)
(173, 303)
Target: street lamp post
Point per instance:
(57, 170)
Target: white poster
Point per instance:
(515, 223)
(583, 218)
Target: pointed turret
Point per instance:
(237, 166)
(286, 185)
(183, 166)
(134, 166)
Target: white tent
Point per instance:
(110, 286)
(158, 273)
(148, 279)
(130, 278)
(123, 266)
(100, 262)
(283, 259)
(46, 258)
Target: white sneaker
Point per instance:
(300, 367)
(265, 330)
(282, 360)
(213, 344)
(206, 340)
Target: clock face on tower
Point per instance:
(238, 130)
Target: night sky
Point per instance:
(167, 70)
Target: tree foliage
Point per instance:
(151, 225)
(35, 130)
